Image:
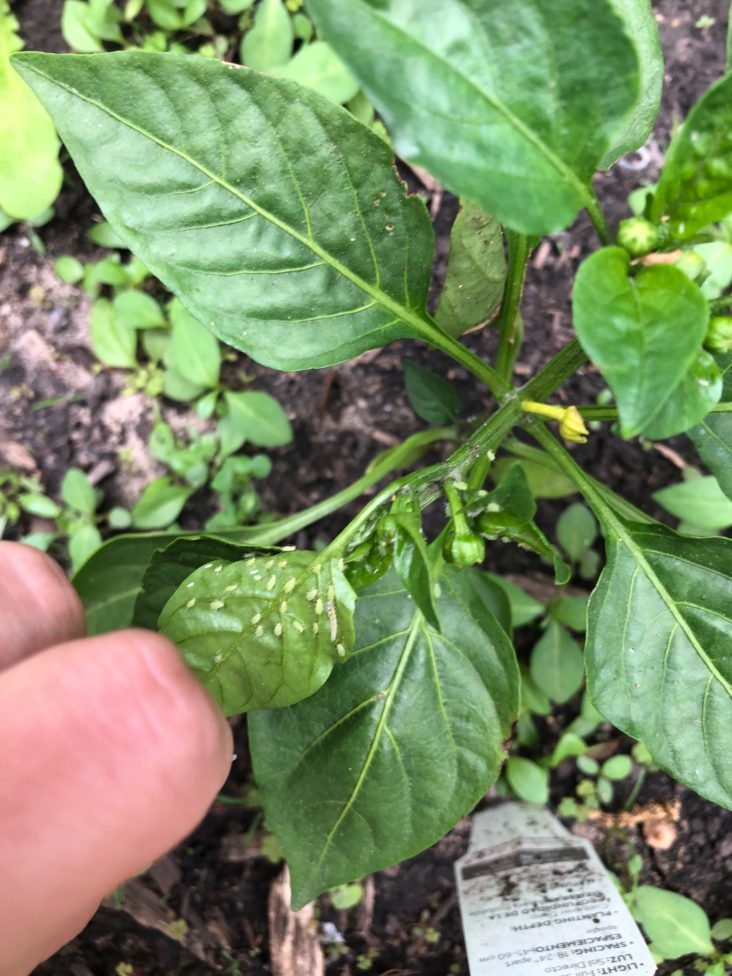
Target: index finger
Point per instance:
(38, 605)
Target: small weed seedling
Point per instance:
(379, 673)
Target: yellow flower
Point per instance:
(572, 426)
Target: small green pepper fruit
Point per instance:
(466, 549)
(637, 236)
(719, 334)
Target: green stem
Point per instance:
(611, 413)
(592, 205)
(497, 385)
(509, 322)
(559, 369)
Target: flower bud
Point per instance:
(719, 334)
(637, 235)
(572, 426)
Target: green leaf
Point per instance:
(617, 767)
(39, 505)
(699, 501)
(262, 632)
(528, 780)
(193, 352)
(431, 396)
(544, 481)
(83, 543)
(292, 276)
(171, 565)
(524, 608)
(570, 611)
(557, 665)
(113, 343)
(410, 706)
(722, 930)
(136, 310)
(103, 235)
(643, 332)
(657, 649)
(713, 436)
(569, 746)
(640, 26)
(476, 271)
(69, 269)
(318, 67)
(695, 188)
(160, 504)
(78, 492)
(412, 563)
(676, 925)
(697, 393)
(462, 111)
(258, 418)
(177, 387)
(269, 41)
(576, 530)
(30, 174)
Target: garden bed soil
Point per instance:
(203, 908)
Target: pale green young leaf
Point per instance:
(69, 269)
(84, 541)
(524, 608)
(160, 504)
(136, 310)
(676, 925)
(617, 767)
(643, 332)
(461, 110)
(695, 188)
(41, 505)
(640, 25)
(410, 705)
(713, 436)
(431, 396)
(528, 780)
(113, 343)
(571, 611)
(476, 271)
(699, 501)
(264, 631)
(576, 530)
(78, 492)
(296, 278)
(30, 173)
(193, 351)
(268, 43)
(657, 649)
(258, 418)
(557, 665)
(318, 67)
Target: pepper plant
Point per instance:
(380, 681)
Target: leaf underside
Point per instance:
(274, 216)
(658, 650)
(400, 743)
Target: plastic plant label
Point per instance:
(536, 900)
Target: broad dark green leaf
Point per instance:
(170, 566)
(221, 193)
(658, 661)
(264, 631)
(695, 188)
(400, 743)
(713, 436)
(557, 665)
(698, 501)
(431, 396)
(643, 331)
(640, 25)
(691, 401)
(476, 271)
(511, 103)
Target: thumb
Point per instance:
(111, 752)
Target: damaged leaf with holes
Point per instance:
(264, 631)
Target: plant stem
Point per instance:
(611, 413)
(592, 205)
(497, 385)
(565, 364)
(509, 322)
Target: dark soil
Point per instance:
(203, 909)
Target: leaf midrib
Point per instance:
(412, 634)
(419, 324)
(561, 167)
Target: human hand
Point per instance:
(110, 753)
